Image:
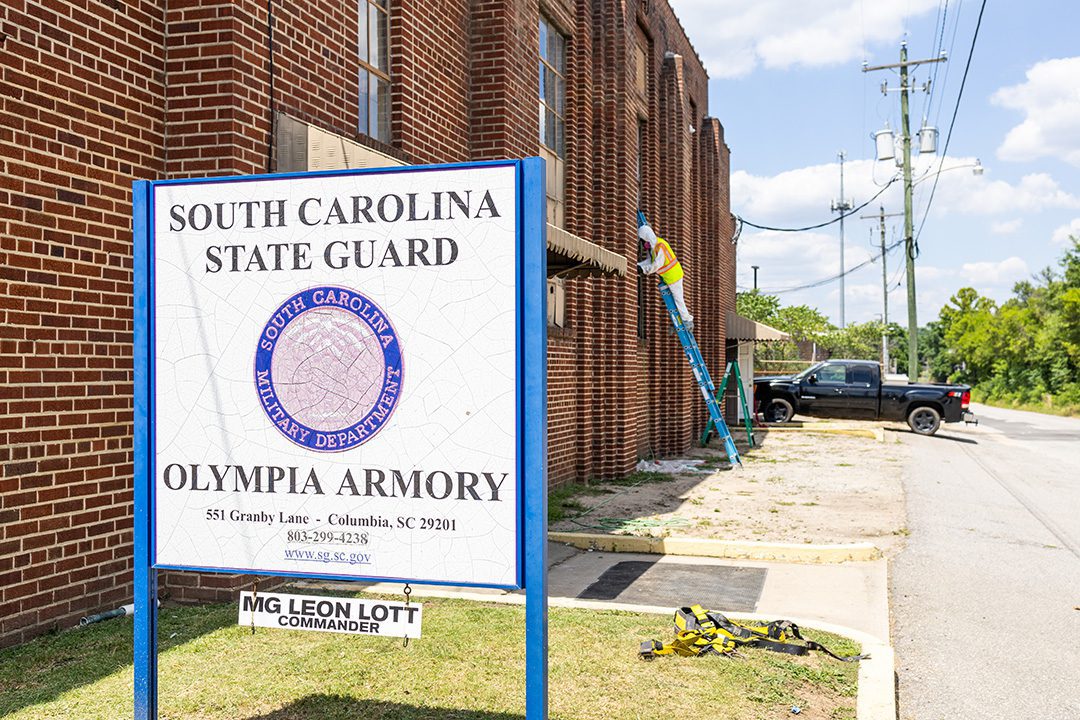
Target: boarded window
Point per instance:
(641, 73)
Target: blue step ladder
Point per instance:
(701, 375)
(697, 365)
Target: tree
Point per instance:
(756, 306)
(1025, 350)
(856, 341)
(803, 323)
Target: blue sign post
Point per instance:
(530, 370)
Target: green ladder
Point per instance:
(732, 369)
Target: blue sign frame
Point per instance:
(531, 342)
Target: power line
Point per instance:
(937, 66)
(834, 278)
(743, 221)
(952, 123)
(935, 42)
(952, 44)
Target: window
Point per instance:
(552, 88)
(835, 374)
(861, 375)
(552, 116)
(374, 55)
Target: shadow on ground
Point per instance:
(340, 707)
(47, 667)
(938, 436)
(673, 487)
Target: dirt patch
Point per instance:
(795, 487)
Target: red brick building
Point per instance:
(97, 93)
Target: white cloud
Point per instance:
(775, 253)
(802, 196)
(966, 208)
(733, 37)
(1061, 235)
(1006, 227)
(981, 195)
(1050, 101)
(788, 260)
(989, 274)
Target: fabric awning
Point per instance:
(740, 328)
(570, 256)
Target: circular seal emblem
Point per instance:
(328, 368)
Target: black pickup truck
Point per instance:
(853, 389)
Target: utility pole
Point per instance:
(755, 267)
(909, 224)
(843, 207)
(884, 286)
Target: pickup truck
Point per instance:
(853, 389)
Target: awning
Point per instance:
(570, 256)
(740, 328)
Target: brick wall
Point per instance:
(96, 94)
(81, 99)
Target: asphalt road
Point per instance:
(986, 594)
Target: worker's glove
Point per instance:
(647, 235)
(643, 266)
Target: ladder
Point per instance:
(732, 369)
(701, 375)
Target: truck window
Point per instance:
(835, 374)
(861, 375)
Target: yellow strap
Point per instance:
(698, 632)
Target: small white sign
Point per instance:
(357, 616)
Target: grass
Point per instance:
(1064, 410)
(469, 665)
(563, 501)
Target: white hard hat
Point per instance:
(646, 234)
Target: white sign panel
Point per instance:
(356, 616)
(335, 375)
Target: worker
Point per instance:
(660, 259)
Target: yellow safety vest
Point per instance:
(671, 271)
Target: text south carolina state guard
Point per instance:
(258, 215)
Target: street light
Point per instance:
(977, 169)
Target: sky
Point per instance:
(786, 82)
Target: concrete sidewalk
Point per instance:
(849, 599)
(851, 595)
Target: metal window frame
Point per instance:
(367, 66)
(560, 118)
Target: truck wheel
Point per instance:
(924, 420)
(778, 410)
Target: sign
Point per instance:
(342, 375)
(356, 616)
(336, 375)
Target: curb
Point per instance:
(729, 549)
(876, 699)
